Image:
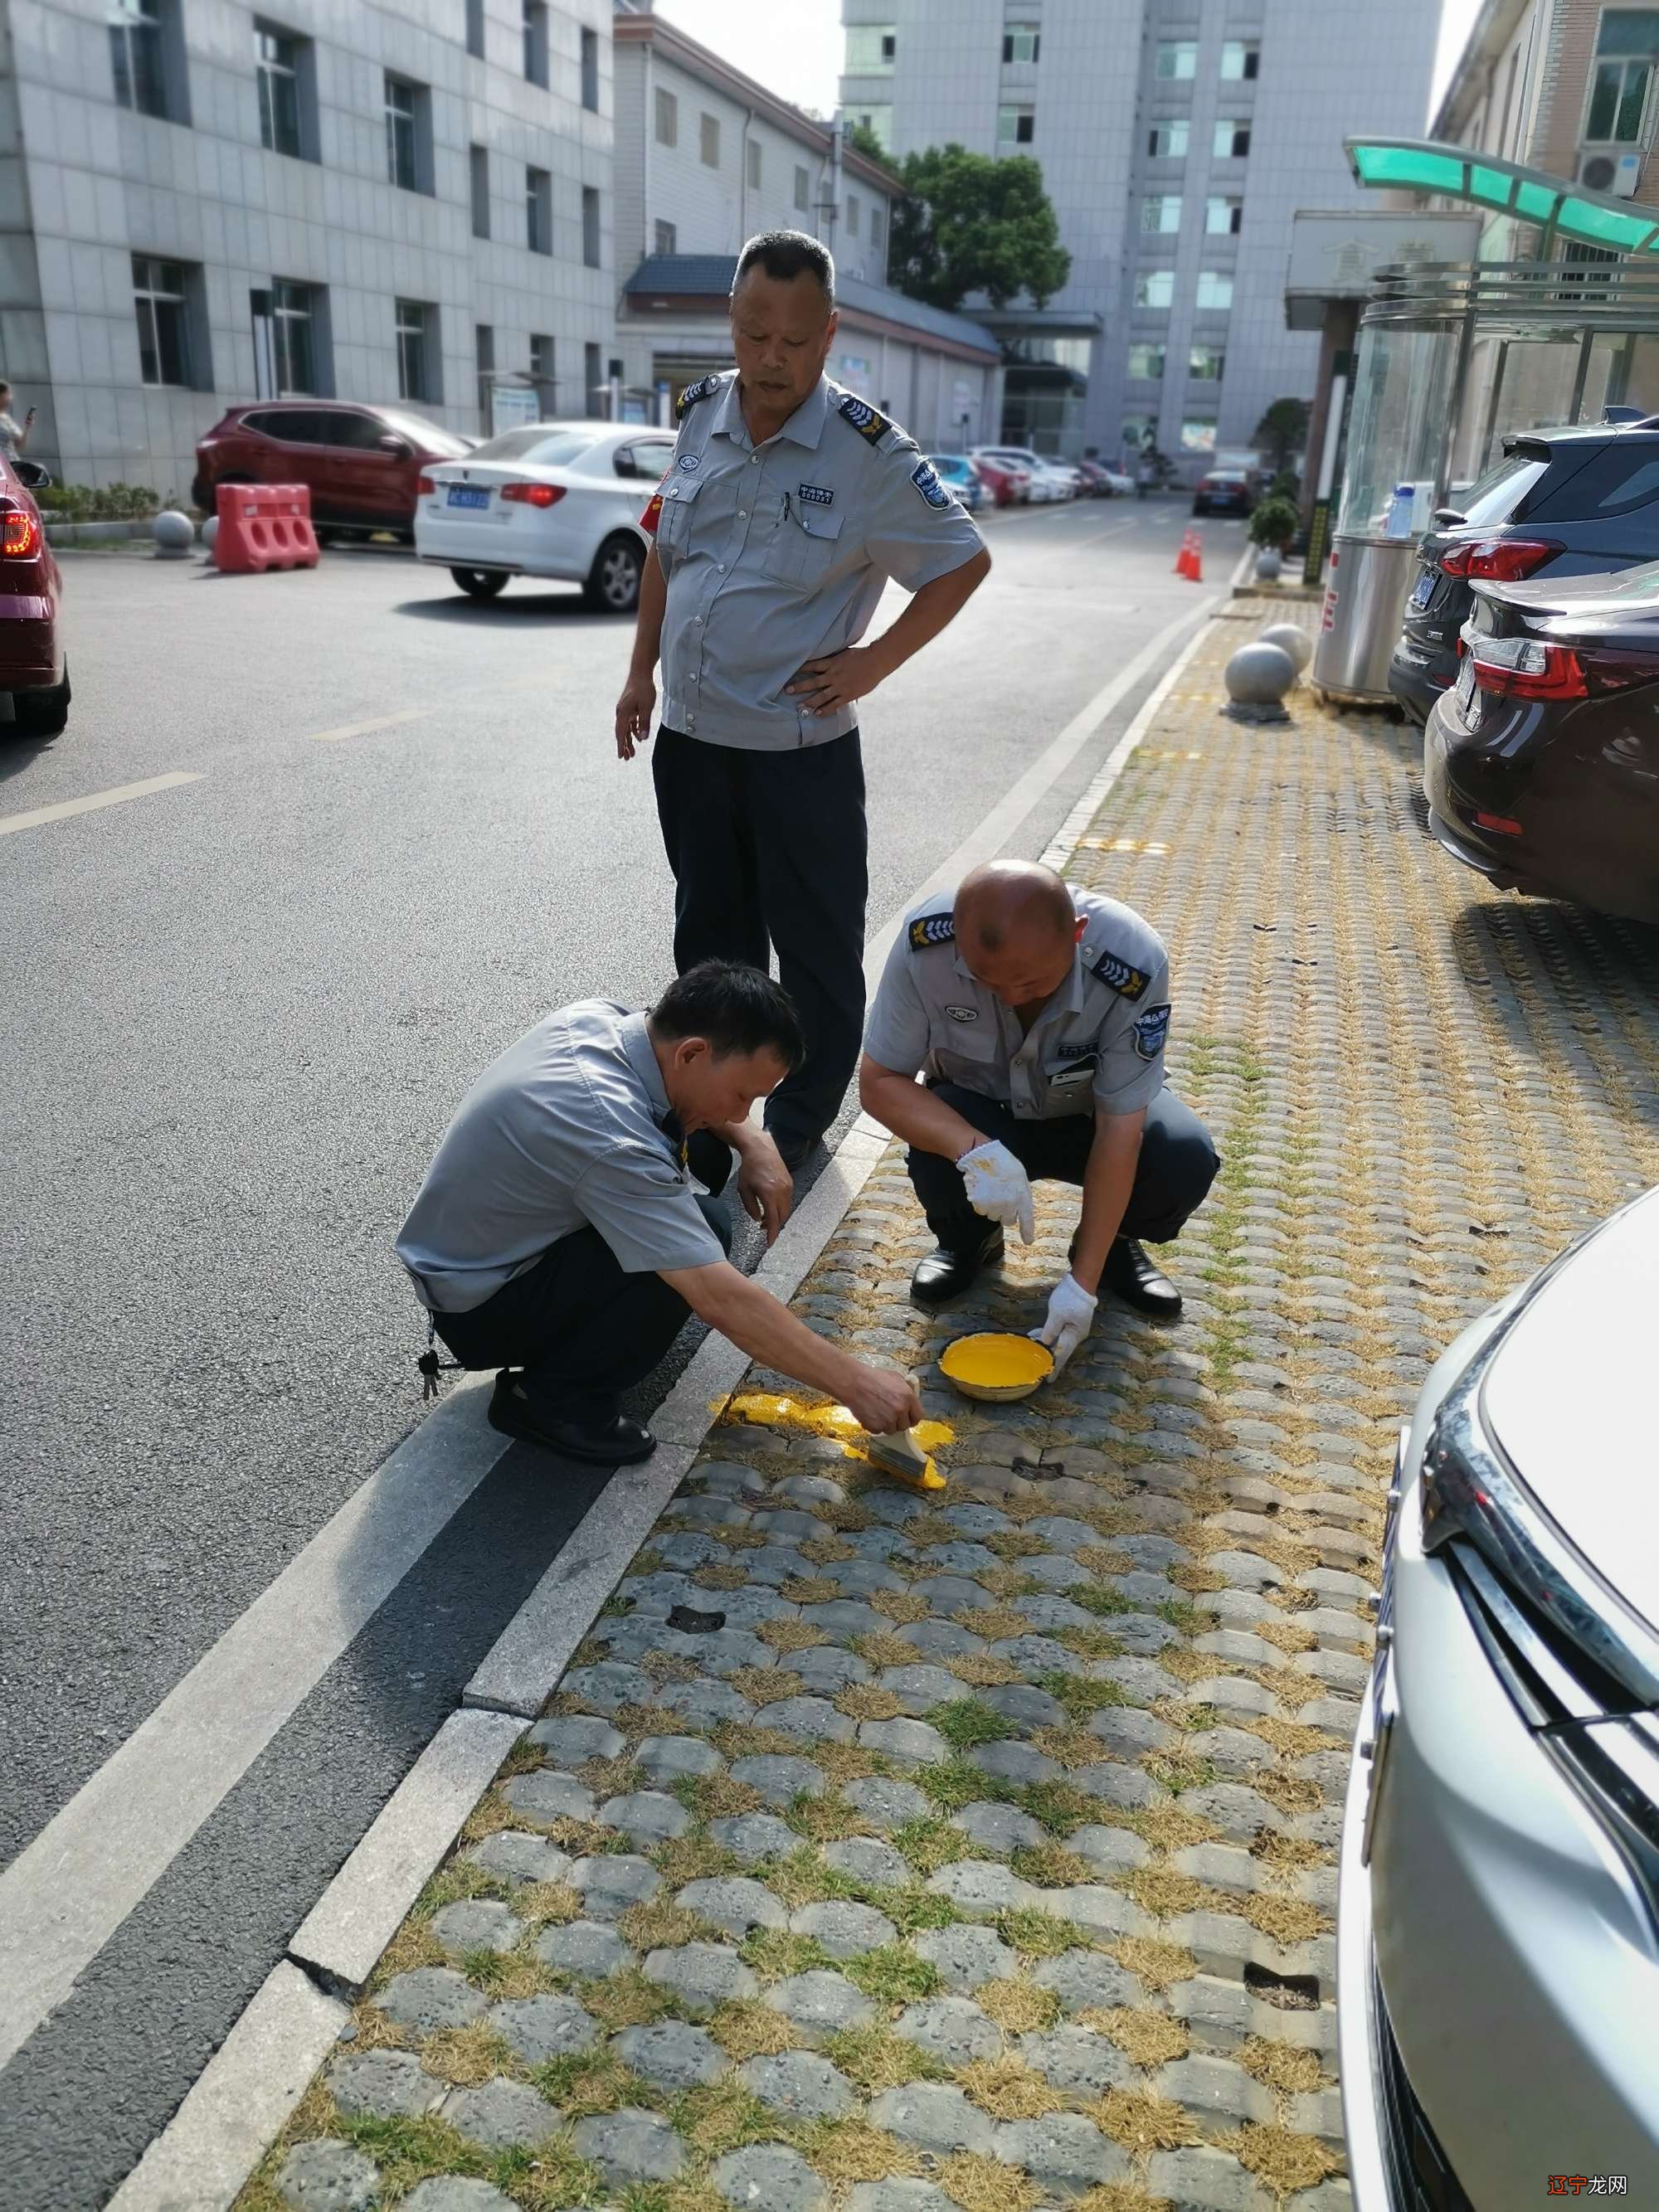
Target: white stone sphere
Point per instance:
(174, 533)
(210, 531)
(1293, 638)
(1259, 675)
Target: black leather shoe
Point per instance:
(617, 1442)
(944, 1274)
(1130, 1276)
(795, 1145)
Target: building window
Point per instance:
(136, 31)
(752, 160)
(803, 190)
(590, 227)
(709, 126)
(1241, 61)
(277, 66)
(1166, 142)
(1146, 363)
(667, 238)
(1016, 126)
(405, 121)
(1198, 434)
(878, 225)
(595, 390)
(668, 119)
(591, 71)
(878, 122)
(1155, 287)
(1204, 364)
(1224, 216)
(483, 345)
(851, 215)
(478, 159)
(294, 336)
(1626, 50)
(1215, 291)
(870, 48)
(541, 371)
(160, 298)
(1177, 59)
(538, 210)
(474, 43)
(1140, 433)
(418, 350)
(1161, 212)
(1021, 42)
(1231, 142)
(535, 41)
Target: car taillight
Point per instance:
(1498, 560)
(20, 534)
(533, 495)
(1526, 668)
(424, 487)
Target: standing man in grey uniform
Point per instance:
(789, 504)
(1039, 1013)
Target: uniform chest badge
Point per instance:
(815, 494)
(962, 1013)
(688, 461)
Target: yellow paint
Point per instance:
(766, 1409)
(995, 1362)
(1146, 846)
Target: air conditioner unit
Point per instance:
(1615, 173)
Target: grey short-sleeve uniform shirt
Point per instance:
(564, 1131)
(777, 553)
(1098, 1043)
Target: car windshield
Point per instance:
(952, 464)
(538, 446)
(419, 432)
(1496, 495)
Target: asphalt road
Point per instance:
(239, 1013)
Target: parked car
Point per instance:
(1224, 491)
(956, 472)
(360, 463)
(1497, 1926)
(1119, 485)
(1541, 763)
(1048, 483)
(552, 499)
(32, 666)
(1008, 484)
(1560, 502)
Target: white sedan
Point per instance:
(552, 499)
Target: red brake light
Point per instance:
(20, 535)
(424, 487)
(533, 495)
(1455, 560)
(1498, 560)
(1523, 668)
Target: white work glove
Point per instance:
(1070, 1316)
(999, 1187)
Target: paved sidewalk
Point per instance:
(981, 1853)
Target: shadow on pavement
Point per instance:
(19, 752)
(563, 607)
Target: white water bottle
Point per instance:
(1400, 511)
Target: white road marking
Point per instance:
(63, 808)
(375, 722)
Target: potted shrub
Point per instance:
(1272, 525)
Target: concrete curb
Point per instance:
(67, 535)
(243, 2099)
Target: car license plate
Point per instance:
(1423, 590)
(468, 496)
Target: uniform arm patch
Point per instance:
(933, 929)
(1128, 982)
(693, 392)
(925, 477)
(1151, 1031)
(864, 418)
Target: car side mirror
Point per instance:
(399, 448)
(32, 474)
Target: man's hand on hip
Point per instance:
(637, 704)
(838, 678)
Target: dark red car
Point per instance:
(360, 463)
(33, 666)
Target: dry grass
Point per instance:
(467, 2056)
(721, 2116)
(663, 1927)
(1288, 1854)
(985, 2185)
(1091, 1642)
(1154, 1964)
(1167, 1828)
(862, 1701)
(718, 1797)
(982, 1672)
(826, 1550)
(1009, 2091)
(1282, 2066)
(733, 1740)
(1289, 1685)
(1105, 1559)
(766, 1685)
(994, 1622)
(1070, 1747)
(846, 2152)
(748, 2028)
(849, 1517)
(626, 2000)
(881, 1648)
(692, 1858)
(1012, 1544)
(1288, 1635)
(1150, 2038)
(789, 1635)
(1052, 1865)
(668, 1667)
(1018, 2008)
(1164, 1893)
(1004, 1581)
(546, 1904)
(825, 1819)
(1281, 2161)
(597, 2081)
(1287, 1793)
(1119, 2197)
(413, 1945)
(809, 1589)
(375, 2032)
(1198, 1580)
(719, 1578)
(876, 2059)
(1287, 1919)
(1144, 2124)
(843, 1762)
(901, 1605)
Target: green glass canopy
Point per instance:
(1422, 165)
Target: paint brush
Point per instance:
(901, 1456)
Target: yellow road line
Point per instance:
(64, 807)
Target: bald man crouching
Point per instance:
(1037, 1014)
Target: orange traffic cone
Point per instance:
(1185, 553)
(1195, 565)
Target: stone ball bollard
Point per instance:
(1268, 563)
(209, 533)
(1293, 638)
(1257, 678)
(174, 534)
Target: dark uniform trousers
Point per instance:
(1177, 1164)
(768, 851)
(582, 1330)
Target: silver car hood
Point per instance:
(1572, 1397)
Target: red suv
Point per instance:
(33, 668)
(361, 463)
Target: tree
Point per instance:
(968, 223)
(862, 140)
(1283, 429)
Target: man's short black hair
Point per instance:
(781, 254)
(737, 1009)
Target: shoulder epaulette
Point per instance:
(864, 418)
(934, 929)
(1128, 982)
(693, 392)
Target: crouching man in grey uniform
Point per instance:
(1038, 1015)
(559, 1236)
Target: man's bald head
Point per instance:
(1018, 929)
